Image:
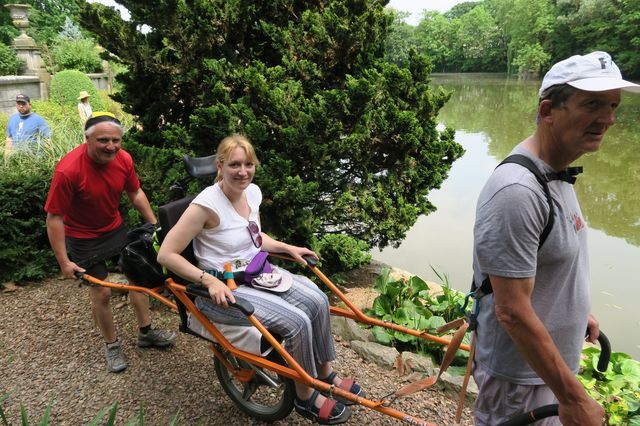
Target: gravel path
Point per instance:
(50, 350)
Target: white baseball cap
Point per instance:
(595, 72)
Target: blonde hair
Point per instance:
(228, 145)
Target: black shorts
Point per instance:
(92, 253)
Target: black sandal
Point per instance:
(331, 413)
(347, 384)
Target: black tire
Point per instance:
(259, 398)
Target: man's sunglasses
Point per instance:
(254, 231)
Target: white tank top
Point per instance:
(230, 241)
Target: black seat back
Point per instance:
(169, 215)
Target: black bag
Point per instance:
(138, 257)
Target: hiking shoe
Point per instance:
(156, 337)
(115, 360)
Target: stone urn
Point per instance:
(20, 17)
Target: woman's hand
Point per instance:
(218, 291)
(297, 253)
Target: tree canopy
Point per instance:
(526, 36)
(347, 140)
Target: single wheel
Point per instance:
(267, 396)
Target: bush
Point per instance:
(24, 247)
(9, 62)
(66, 85)
(75, 54)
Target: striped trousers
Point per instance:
(300, 315)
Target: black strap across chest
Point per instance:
(567, 175)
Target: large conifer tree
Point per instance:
(348, 142)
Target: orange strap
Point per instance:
(448, 358)
(465, 382)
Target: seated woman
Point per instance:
(223, 222)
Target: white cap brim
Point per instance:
(602, 84)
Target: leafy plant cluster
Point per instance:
(111, 412)
(9, 62)
(410, 302)
(617, 389)
(521, 36)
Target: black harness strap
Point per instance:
(565, 175)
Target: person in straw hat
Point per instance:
(84, 107)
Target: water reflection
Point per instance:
(504, 111)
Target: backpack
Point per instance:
(138, 257)
(567, 175)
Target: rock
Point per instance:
(415, 362)
(349, 330)
(384, 356)
(453, 384)
(9, 286)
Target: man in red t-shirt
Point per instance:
(85, 228)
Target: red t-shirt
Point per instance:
(88, 194)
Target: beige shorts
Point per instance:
(499, 400)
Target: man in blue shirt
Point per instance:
(25, 128)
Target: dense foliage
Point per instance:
(9, 62)
(523, 36)
(348, 141)
(617, 389)
(67, 84)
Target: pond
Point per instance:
(491, 114)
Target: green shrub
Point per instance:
(66, 85)
(24, 247)
(341, 252)
(75, 54)
(9, 62)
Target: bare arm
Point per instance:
(8, 144)
(516, 314)
(55, 232)
(192, 221)
(274, 246)
(140, 202)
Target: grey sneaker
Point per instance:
(115, 359)
(156, 337)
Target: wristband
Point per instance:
(201, 276)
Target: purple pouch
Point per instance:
(258, 265)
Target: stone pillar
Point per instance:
(26, 48)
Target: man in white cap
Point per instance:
(532, 327)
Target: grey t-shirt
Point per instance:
(511, 213)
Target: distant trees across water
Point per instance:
(521, 36)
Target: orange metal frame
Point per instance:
(295, 371)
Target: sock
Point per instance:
(110, 343)
(145, 329)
